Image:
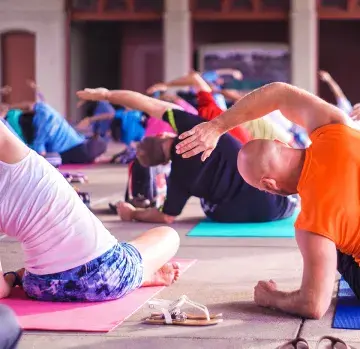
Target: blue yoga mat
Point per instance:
(347, 312)
(283, 228)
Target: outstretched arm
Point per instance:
(129, 99)
(192, 79)
(236, 73)
(342, 102)
(333, 85)
(297, 105)
(314, 296)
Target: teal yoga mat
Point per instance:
(283, 228)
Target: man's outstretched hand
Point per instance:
(203, 138)
(93, 94)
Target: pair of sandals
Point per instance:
(301, 343)
(170, 313)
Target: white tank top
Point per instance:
(39, 208)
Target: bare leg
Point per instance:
(157, 246)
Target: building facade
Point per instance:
(67, 45)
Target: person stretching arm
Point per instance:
(321, 228)
(342, 102)
(151, 106)
(203, 138)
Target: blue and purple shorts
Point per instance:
(113, 275)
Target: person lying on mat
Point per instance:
(46, 131)
(225, 196)
(69, 255)
(327, 228)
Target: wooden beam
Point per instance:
(336, 15)
(240, 15)
(116, 16)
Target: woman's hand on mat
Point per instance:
(93, 94)
(263, 293)
(125, 211)
(203, 138)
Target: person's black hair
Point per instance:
(89, 108)
(27, 126)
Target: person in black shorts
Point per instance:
(225, 196)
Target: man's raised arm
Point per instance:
(129, 99)
(297, 105)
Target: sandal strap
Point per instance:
(168, 307)
(333, 340)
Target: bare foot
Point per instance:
(165, 276)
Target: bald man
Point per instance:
(326, 175)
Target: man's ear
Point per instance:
(269, 184)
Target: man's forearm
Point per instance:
(191, 80)
(293, 303)
(128, 99)
(294, 103)
(138, 101)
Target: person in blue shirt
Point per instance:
(105, 112)
(130, 121)
(46, 131)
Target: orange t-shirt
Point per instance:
(329, 187)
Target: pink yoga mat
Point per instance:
(81, 317)
(77, 167)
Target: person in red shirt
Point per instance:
(207, 107)
(326, 176)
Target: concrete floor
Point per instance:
(223, 279)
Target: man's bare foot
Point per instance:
(165, 276)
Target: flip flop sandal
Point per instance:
(297, 343)
(171, 313)
(113, 208)
(336, 343)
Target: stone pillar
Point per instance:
(46, 19)
(177, 36)
(304, 44)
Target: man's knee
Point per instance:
(10, 331)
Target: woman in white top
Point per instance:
(69, 254)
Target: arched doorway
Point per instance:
(18, 64)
